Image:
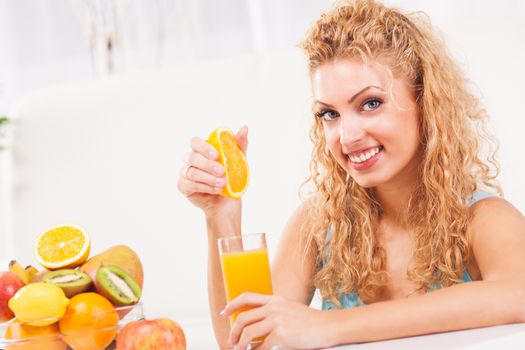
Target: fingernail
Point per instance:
(218, 170)
(217, 189)
(213, 154)
(220, 181)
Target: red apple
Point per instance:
(159, 334)
(10, 283)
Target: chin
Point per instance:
(368, 181)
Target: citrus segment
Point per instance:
(63, 246)
(233, 160)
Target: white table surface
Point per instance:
(499, 337)
(199, 336)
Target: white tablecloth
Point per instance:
(500, 337)
(199, 335)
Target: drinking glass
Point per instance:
(245, 267)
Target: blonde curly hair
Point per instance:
(452, 128)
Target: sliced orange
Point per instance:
(233, 160)
(62, 246)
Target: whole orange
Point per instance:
(89, 323)
(34, 338)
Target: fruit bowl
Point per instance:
(23, 336)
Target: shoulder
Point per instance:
(301, 223)
(304, 216)
(295, 259)
(497, 235)
(495, 211)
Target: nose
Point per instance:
(350, 130)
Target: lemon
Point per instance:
(39, 304)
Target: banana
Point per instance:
(31, 271)
(15, 267)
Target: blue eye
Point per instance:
(372, 104)
(326, 115)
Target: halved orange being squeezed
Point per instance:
(63, 246)
(233, 160)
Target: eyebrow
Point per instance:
(352, 99)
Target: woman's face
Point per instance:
(370, 120)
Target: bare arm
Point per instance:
(292, 269)
(201, 180)
(227, 225)
(293, 266)
(498, 244)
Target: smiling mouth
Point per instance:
(363, 157)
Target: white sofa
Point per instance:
(106, 154)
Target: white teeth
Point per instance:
(364, 156)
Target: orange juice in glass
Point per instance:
(245, 266)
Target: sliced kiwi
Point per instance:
(71, 281)
(117, 285)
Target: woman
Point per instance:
(405, 219)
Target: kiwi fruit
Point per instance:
(117, 285)
(71, 281)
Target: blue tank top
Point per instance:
(353, 300)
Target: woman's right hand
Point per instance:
(202, 178)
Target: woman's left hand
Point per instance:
(285, 323)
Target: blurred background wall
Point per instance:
(49, 41)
